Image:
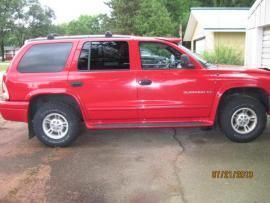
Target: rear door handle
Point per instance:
(76, 84)
(145, 82)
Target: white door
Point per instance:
(266, 48)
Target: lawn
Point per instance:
(3, 66)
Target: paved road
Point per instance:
(153, 165)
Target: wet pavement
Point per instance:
(138, 165)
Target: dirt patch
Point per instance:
(30, 186)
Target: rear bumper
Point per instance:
(14, 111)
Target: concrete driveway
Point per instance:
(153, 165)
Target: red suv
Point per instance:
(57, 83)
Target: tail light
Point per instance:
(5, 94)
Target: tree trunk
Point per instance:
(2, 50)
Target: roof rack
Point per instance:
(54, 36)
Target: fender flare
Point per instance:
(56, 91)
(225, 88)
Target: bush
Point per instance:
(225, 55)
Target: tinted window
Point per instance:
(159, 56)
(84, 60)
(104, 56)
(45, 58)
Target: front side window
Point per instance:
(155, 55)
(43, 58)
(104, 56)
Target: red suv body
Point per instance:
(128, 82)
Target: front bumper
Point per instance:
(14, 111)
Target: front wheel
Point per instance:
(242, 118)
(56, 124)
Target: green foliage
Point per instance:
(153, 19)
(32, 20)
(84, 25)
(123, 15)
(224, 55)
(7, 20)
(22, 19)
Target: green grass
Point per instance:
(3, 66)
(225, 55)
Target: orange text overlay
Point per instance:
(231, 174)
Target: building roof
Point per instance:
(10, 48)
(217, 19)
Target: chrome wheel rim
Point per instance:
(244, 121)
(55, 126)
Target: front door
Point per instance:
(169, 91)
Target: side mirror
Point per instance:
(185, 61)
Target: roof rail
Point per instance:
(54, 36)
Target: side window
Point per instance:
(155, 55)
(42, 58)
(104, 56)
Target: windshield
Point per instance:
(197, 57)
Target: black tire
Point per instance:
(64, 110)
(234, 104)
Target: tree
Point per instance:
(8, 9)
(22, 19)
(32, 21)
(179, 12)
(153, 19)
(84, 25)
(123, 15)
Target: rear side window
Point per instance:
(43, 58)
(104, 56)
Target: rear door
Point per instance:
(102, 78)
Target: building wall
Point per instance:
(207, 35)
(210, 41)
(235, 40)
(258, 19)
(198, 33)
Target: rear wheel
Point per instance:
(242, 118)
(56, 124)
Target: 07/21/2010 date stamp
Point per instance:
(232, 174)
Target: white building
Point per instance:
(258, 35)
(213, 27)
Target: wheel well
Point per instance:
(256, 93)
(36, 101)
